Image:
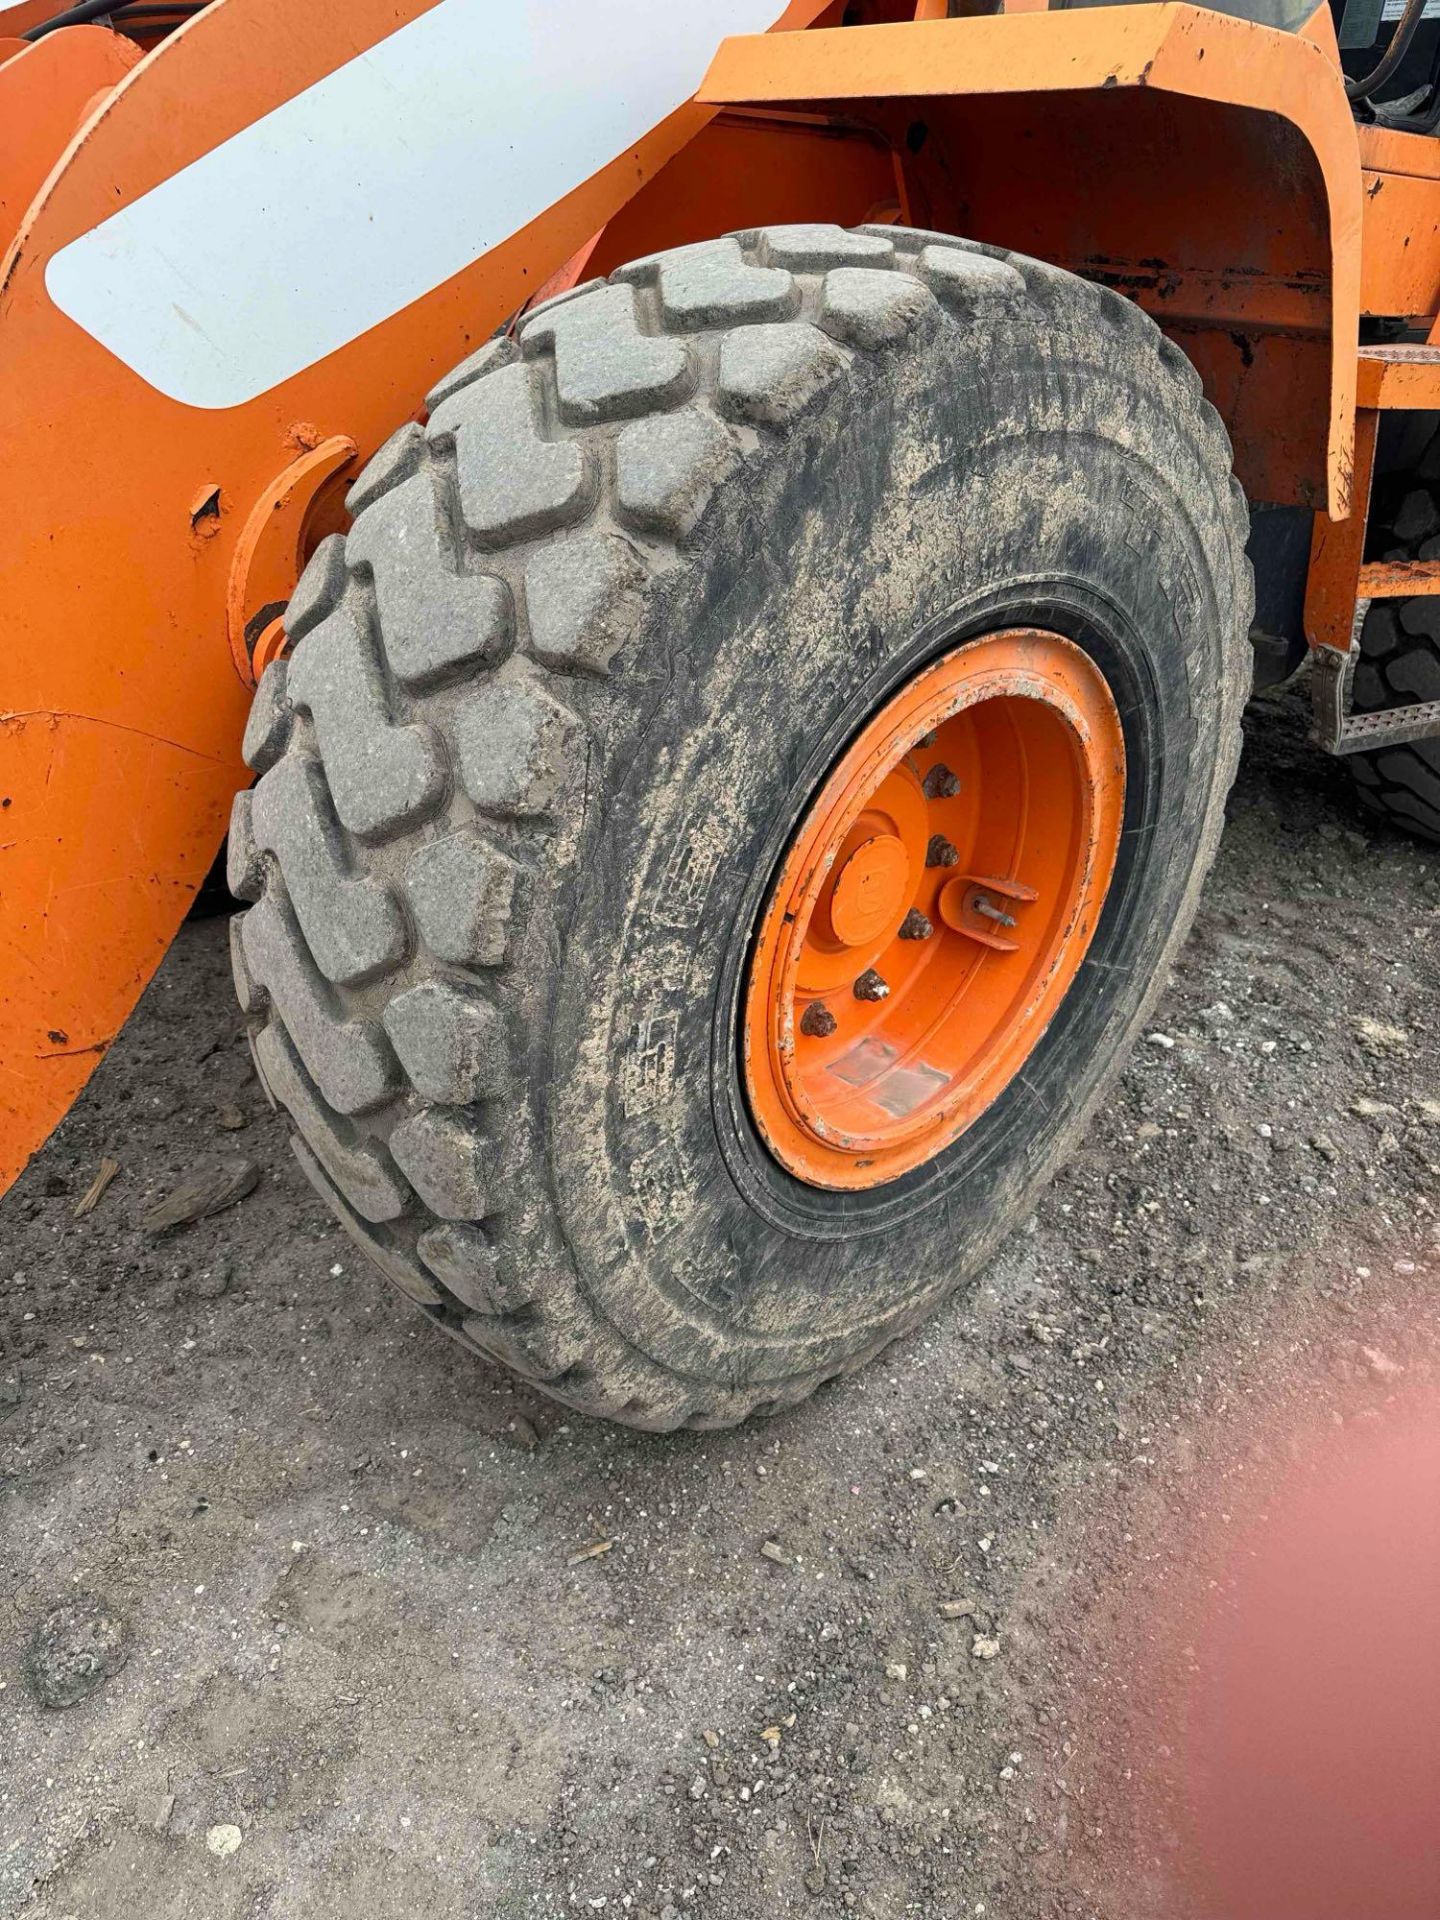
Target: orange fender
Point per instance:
(1067, 64)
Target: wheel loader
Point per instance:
(723, 546)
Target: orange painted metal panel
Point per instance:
(1162, 48)
(1400, 251)
(1387, 150)
(1154, 194)
(1336, 550)
(19, 19)
(745, 170)
(45, 92)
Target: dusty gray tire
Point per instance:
(1400, 662)
(554, 706)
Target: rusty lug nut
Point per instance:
(870, 986)
(941, 852)
(817, 1021)
(916, 926)
(940, 784)
(991, 912)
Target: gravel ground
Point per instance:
(325, 1575)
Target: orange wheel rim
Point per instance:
(933, 909)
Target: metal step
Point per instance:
(1339, 730)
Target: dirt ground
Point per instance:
(876, 1656)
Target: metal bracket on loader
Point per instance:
(1340, 730)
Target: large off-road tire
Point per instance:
(554, 707)
(1400, 656)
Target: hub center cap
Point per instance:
(870, 890)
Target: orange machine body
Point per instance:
(1208, 167)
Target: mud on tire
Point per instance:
(554, 706)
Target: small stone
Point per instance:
(157, 1813)
(223, 1840)
(1322, 1144)
(1162, 1040)
(206, 1189)
(966, 1609)
(984, 1647)
(897, 1670)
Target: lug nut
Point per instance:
(817, 1021)
(941, 852)
(870, 986)
(940, 784)
(916, 926)
(991, 912)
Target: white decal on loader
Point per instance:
(380, 182)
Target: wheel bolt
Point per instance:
(870, 986)
(941, 852)
(991, 912)
(915, 926)
(817, 1021)
(940, 784)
